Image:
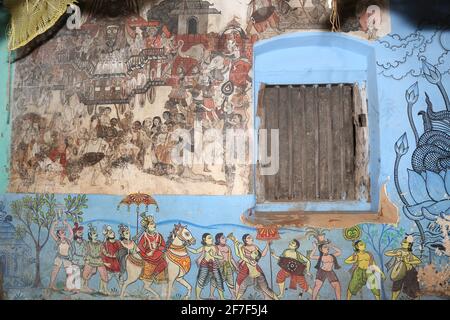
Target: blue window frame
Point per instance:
(321, 58)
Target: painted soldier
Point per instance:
(77, 254)
(94, 262)
(62, 258)
(326, 265)
(110, 250)
(250, 272)
(209, 268)
(228, 266)
(247, 249)
(128, 246)
(78, 246)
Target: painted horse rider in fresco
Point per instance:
(151, 248)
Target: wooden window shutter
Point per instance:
(323, 143)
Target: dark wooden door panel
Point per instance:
(316, 142)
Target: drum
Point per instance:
(292, 266)
(398, 270)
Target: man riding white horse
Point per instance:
(151, 248)
(175, 259)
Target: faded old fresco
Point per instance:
(104, 108)
(366, 19)
(107, 108)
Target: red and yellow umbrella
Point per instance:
(268, 233)
(138, 199)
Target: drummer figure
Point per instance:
(293, 265)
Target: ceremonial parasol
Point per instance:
(138, 199)
(268, 233)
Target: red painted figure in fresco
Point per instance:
(58, 154)
(151, 246)
(247, 249)
(109, 251)
(293, 265)
(250, 273)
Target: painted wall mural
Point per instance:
(112, 113)
(99, 209)
(428, 179)
(106, 256)
(108, 106)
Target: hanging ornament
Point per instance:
(30, 18)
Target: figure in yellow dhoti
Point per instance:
(361, 261)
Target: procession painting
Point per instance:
(109, 256)
(99, 207)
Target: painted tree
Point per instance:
(380, 238)
(36, 215)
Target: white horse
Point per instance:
(178, 263)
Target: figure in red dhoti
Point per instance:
(294, 265)
(250, 273)
(247, 249)
(109, 251)
(151, 246)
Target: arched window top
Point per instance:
(314, 57)
(192, 25)
(314, 39)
